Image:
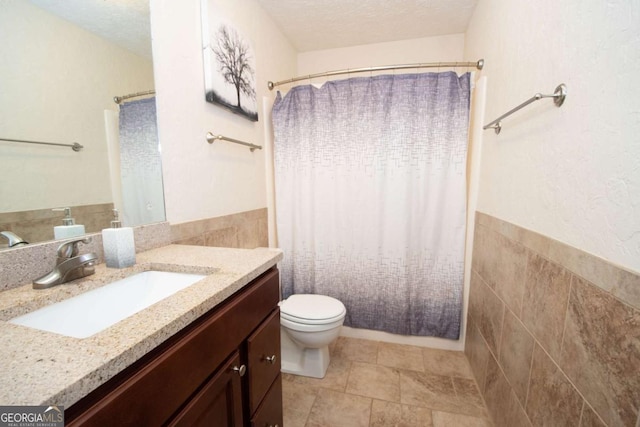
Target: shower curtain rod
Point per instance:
(478, 64)
(119, 99)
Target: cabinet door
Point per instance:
(269, 414)
(218, 403)
(149, 392)
(263, 358)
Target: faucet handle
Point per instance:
(69, 249)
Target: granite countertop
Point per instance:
(41, 367)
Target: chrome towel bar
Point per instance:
(211, 138)
(558, 96)
(75, 146)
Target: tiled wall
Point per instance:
(22, 265)
(553, 334)
(37, 225)
(242, 230)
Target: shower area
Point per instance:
(371, 197)
(134, 159)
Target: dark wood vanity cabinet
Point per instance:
(222, 370)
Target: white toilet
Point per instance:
(308, 324)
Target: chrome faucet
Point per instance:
(69, 266)
(13, 238)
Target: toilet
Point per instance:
(308, 324)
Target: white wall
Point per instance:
(203, 180)
(571, 173)
(428, 49)
(56, 80)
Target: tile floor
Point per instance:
(372, 383)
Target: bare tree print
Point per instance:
(234, 61)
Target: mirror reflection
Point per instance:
(59, 81)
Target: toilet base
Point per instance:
(307, 362)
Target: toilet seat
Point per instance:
(311, 309)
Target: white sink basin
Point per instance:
(93, 311)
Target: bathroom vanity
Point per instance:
(208, 355)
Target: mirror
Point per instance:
(59, 80)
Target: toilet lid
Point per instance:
(311, 308)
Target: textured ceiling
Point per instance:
(308, 24)
(327, 24)
(123, 22)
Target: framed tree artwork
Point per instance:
(229, 65)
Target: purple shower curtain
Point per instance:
(371, 197)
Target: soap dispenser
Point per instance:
(69, 228)
(119, 246)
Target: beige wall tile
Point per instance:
(515, 355)
(571, 303)
(501, 263)
(242, 230)
(263, 233)
(379, 382)
(223, 237)
(545, 302)
(37, 225)
(502, 402)
(335, 409)
(481, 260)
(477, 352)
(248, 234)
(626, 286)
(187, 230)
(601, 352)
(552, 399)
(621, 282)
(152, 236)
(487, 311)
(400, 356)
(193, 241)
(589, 418)
(385, 414)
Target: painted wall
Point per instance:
(203, 180)
(56, 81)
(428, 49)
(570, 173)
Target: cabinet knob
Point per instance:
(240, 371)
(273, 425)
(271, 359)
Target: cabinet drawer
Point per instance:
(263, 348)
(218, 404)
(269, 414)
(155, 387)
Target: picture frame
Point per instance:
(229, 65)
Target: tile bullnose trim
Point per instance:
(621, 282)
